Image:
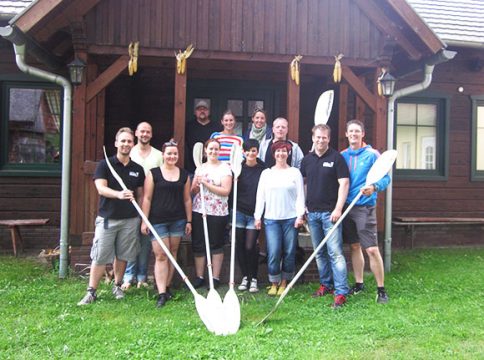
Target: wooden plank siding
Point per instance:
(456, 196)
(321, 28)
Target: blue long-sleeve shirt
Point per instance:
(359, 163)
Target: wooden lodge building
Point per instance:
(243, 49)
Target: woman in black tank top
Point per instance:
(168, 205)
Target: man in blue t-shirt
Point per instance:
(327, 183)
(117, 223)
(359, 227)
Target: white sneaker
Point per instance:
(118, 292)
(253, 286)
(243, 285)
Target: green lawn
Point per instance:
(436, 311)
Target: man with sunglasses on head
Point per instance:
(148, 157)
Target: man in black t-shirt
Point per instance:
(198, 130)
(117, 223)
(327, 183)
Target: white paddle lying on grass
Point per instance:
(213, 298)
(379, 169)
(231, 305)
(203, 308)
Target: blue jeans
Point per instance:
(281, 245)
(139, 269)
(330, 259)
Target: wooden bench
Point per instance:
(411, 222)
(13, 225)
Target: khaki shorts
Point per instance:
(359, 226)
(115, 238)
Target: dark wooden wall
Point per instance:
(457, 195)
(308, 27)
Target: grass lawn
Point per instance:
(436, 311)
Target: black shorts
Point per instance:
(216, 233)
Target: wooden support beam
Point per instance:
(343, 115)
(35, 13)
(103, 80)
(292, 108)
(379, 18)
(180, 114)
(359, 87)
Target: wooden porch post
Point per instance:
(180, 114)
(343, 116)
(292, 108)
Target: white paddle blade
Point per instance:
(381, 167)
(205, 312)
(236, 158)
(198, 154)
(231, 312)
(323, 107)
(214, 303)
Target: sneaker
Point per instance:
(216, 283)
(161, 300)
(323, 290)
(118, 292)
(273, 290)
(382, 297)
(339, 301)
(126, 286)
(253, 286)
(356, 289)
(244, 284)
(280, 290)
(89, 298)
(199, 282)
(142, 284)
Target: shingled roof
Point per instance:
(456, 22)
(10, 8)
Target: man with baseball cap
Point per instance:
(199, 130)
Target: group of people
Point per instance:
(278, 190)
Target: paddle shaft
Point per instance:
(152, 229)
(207, 241)
(232, 245)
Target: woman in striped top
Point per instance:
(227, 137)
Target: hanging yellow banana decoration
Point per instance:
(295, 69)
(378, 82)
(133, 50)
(181, 59)
(337, 68)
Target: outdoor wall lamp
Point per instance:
(387, 84)
(76, 71)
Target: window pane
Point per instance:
(236, 106)
(34, 126)
(406, 114)
(254, 104)
(427, 114)
(480, 139)
(406, 146)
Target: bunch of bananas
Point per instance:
(133, 57)
(181, 59)
(295, 68)
(337, 68)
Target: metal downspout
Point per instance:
(66, 149)
(425, 83)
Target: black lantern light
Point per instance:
(387, 82)
(76, 71)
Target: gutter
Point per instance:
(440, 57)
(19, 45)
